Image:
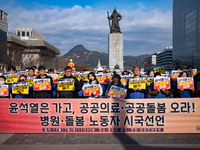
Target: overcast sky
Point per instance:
(146, 24)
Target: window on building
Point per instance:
(23, 33)
(27, 33)
(18, 32)
(31, 34)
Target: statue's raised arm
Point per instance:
(115, 17)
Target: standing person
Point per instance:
(158, 93)
(74, 69)
(42, 75)
(190, 67)
(12, 69)
(51, 71)
(183, 93)
(179, 68)
(34, 67)
(92, 80)
(77, 85)
(150, 73)
(135, 92)
(31, 72)
(3, 82)
(116, 80)
(30, 94)
(125, 73)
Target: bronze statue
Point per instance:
(115, 17)
(116, 66)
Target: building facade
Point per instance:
(165, 58)
(26, 33)
(186, 33)
(27, 47)
(3, 21)
(3, 40)
(150, 62)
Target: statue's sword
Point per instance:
(109, 20)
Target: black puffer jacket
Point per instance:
(71, 94)
(45, 94)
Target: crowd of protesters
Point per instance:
(115, 80)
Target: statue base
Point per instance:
(115, 50)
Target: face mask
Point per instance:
(2, 82)
(90, 81)
(100, 73)
(21, 80)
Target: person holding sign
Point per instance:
(182, 91)
(116, 81)
(27, 90)
(90, 87)
(5, 90)
(44, 93)
(160, 92)
(77, 85)
(135, 93)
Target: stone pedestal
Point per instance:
(115, 50)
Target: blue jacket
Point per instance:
(131, 94)
(54, 93)
(104, 88)
(186, 93)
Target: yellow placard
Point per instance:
(20, 89)
(85, 77)
(149, 82)
(76, 76)
(30, 82)
(11, 79)
(61, 75)
(66, 86)
(3, 89)
(137, 84)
